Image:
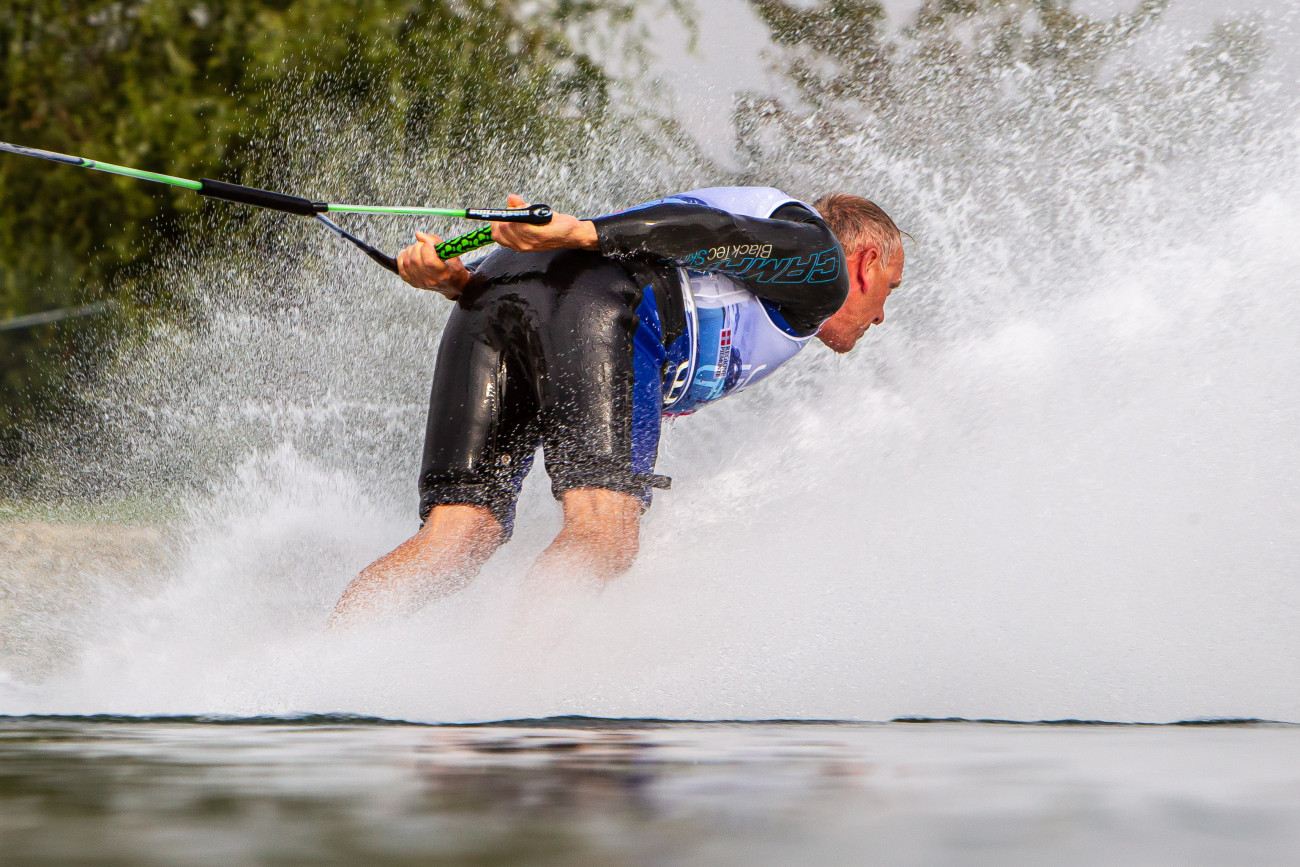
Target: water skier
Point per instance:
(577, 336)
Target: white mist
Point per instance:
(1060, 482)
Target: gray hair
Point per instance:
(859, 223)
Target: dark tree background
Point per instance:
(199, 88)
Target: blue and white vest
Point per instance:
(733, 338)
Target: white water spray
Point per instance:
(1059, 483)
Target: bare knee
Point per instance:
(601, 530)
(470, 527)
(599, 540)
(451, 534)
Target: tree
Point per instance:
(210, 88)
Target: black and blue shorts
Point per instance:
(558, 350)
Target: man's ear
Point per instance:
(866, 257)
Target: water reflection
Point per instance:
(646, 772)
(539, 773)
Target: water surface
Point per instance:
(613, 792)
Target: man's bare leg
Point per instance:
(599, 540)
(440, 559)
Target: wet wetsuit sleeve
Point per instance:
(791, 260)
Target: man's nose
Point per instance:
(880, 317)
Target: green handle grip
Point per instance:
(464, 243)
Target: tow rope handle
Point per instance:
(538, 215)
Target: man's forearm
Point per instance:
(687, 231)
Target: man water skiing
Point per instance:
(579, 335)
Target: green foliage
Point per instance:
(209, 88)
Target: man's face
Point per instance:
(871, 280)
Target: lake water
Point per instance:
(616, 792)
